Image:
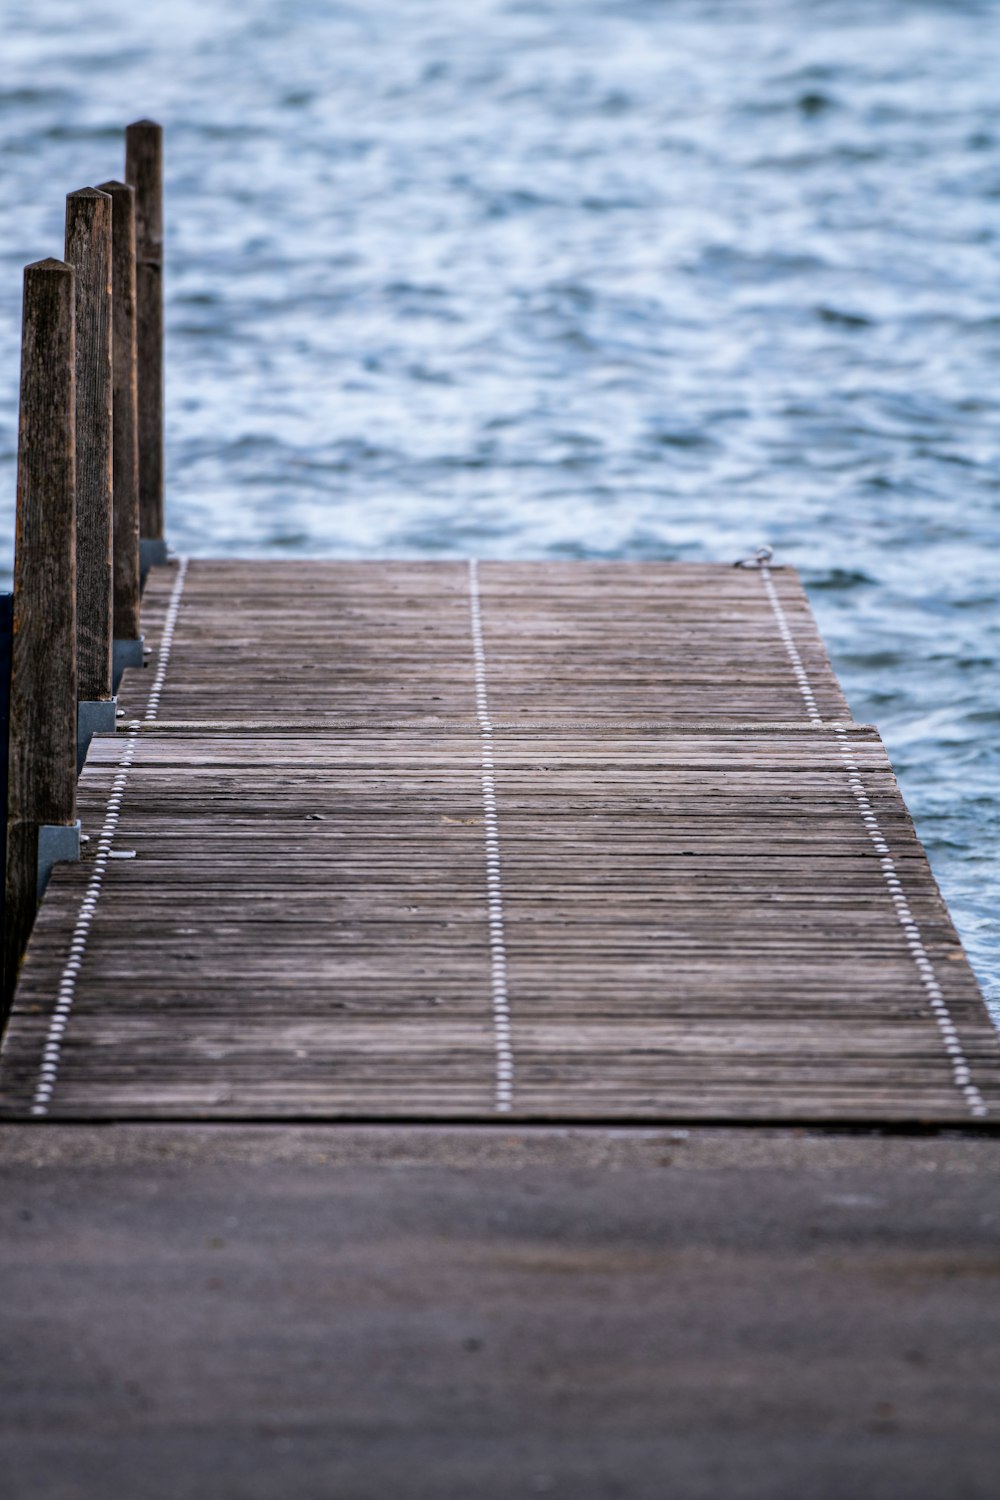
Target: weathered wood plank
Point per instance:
(695, 920)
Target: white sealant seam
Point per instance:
(494, 887)
(960, 1070)
(52, 1051)
(788, 640)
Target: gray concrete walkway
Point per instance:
(248, 1313)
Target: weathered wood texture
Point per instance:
(127, 620)
(88, 251)
(684, 914)
(42, 777)
(318, 641)
(144, 173)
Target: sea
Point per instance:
(577, 279)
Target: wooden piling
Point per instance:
(88, 251)
(125, 403)
(42, 786)
(6, 640)
(144, 172)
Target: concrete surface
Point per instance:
(396, 1312)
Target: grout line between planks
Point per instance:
(52, 1050)
(494, 885)
(960, 1070)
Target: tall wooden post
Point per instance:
(41, 801)
(128, 639)
(144, 172)
(6, 642)
(88, 251)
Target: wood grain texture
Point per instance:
(585, 640)
(42, 776)
(144, 173)
(696, 924)
(88, 251)
(126, 579)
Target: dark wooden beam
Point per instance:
(144, 172)
(126, 434)
(42, 786)
(88, 251)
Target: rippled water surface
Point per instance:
(585, 278)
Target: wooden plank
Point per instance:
(694, 917)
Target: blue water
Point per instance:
(584, 278)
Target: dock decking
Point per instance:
(535, 840)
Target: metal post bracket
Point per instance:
(93, 716)
(127, 653)
(153, 553)
(56, 841)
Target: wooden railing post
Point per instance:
(41, 802)
(88, 251)
(144, 172)
(6, 643)
(127, 583)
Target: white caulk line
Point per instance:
(494, 888)
(52, 1051)
(785, 632)
(960, 1070)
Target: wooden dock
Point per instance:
(544, 841)
(592, 852)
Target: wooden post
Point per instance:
(128, 639)
(6, 642)
(41, 800)
(144, 172)
(88, 251)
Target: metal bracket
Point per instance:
(127, 653)
(153, 553)
(760, 559)
(93, 716)
(56, 841)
